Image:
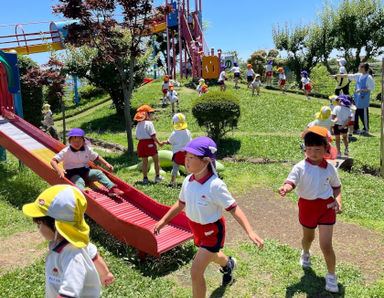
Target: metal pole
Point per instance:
(180, 45)
(154, 56)
(76, 91)
(382, 122)
(174, 56)
(64, 126)
(168, 46)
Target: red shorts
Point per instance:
(268, 73)
(283, 82)
(308, 87)
(210, 236)
(316, 212)
(351, 123)
(179, 158)
(146, 148)
(165, 91)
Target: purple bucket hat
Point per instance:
(270, 61)
(305, 73)
(76, 132)
(203, 147)
(344, 100)
(223, 67)
(235, 64)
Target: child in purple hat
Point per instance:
(75, 160)
(222, 79)
(307, 84)
(236, 73)
(269, 72)
(204, 196)
(341, 115)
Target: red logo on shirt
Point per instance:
(203, 196)
(41, 202)
(55, 271)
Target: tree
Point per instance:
(259, 59)
(358, 28)
(96, 26)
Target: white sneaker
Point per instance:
(305, 259)
(346, 152)
(159, 179)
(331, 283)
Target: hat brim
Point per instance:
(180, 126)
(193, 151)
(76, 233)
(140, 116)
(32, 210)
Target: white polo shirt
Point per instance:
(179, 139)
(342, 114)
(314, 182)
(222, 76)
(172, 96)
(165, 85)
(206, 198)
(145, 130)
(235, 69)
(305, 80)
(75, 159)
(269, 67)
(282, 76)
(250, 73)
(70, 271)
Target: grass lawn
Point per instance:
(269, 127)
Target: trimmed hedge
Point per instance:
(90, 91)
(217, 113)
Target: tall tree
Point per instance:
(97, 27)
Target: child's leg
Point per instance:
(175, 171)
(308, 237)
(157, 164)
(97, 175)
(224, 87)
(258, 90)
(78, 181)
(338, 142)
(253, 90)
(145, 166)
(173, 108)
(345, 140)
(200, 263)
(325, 239)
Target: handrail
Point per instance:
(17, 36)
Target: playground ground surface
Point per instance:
(269, 128)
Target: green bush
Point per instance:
(90, 91)
(323, 83)
(217, 113)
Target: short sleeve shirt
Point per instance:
(179, 139)
(250, 72)
(75, 159)
(145, 130)
(305, 81)
(314, 182)
(370, 81)
(205, 200)
(165, 85)
(269, 67)
(222, 76)
(235, 69)
(282, 76)
(70, 271)
(342, 114)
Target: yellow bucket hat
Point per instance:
(333, 97)
(179, 122)
(67, 205)
(324, 113)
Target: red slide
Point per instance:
(130, 218)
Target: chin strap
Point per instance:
(199, 173)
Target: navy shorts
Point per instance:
(236, 75)
(249, 79)
(338, 131)
(221, 83)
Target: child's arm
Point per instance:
(337, 196)
(105, 163)
(175, 209)
(61, 172)
(155, 139)
(284, 190)
(106, 277)
(240, 217)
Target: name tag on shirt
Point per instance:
(54, 279)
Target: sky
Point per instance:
(241, 25)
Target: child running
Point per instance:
(342, 116)
(256, 84)
(172, 97)
(306, 82)
(269, 72)
(222, 79)
(236, 74)
(250, 74)
(319, 188)
(146, 134)
(282, 79)
(73, 268)
(179, 138)
(205, 195)
(75, 160)
(164, 89)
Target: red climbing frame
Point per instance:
(6, 98)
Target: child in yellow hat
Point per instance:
(73, 267)
(179, 138)
(146, 134)
(323, 119)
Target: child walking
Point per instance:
(164, 89)
(222, 79)
(179, 138)
(269, 72)
(342, 116)
(146, 134)
(75, 160)
(250, 74)
(256, 84)
(282, 79)
(172, 97)
(48, 125)
(236, 74)
(200, 86)
(323, 119)
(73, 268)
(319, 188)
(306, 82)
(204, 196)
(204, 90)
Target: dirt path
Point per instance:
(276, 218)
(20, 250)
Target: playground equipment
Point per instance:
(130, 217)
